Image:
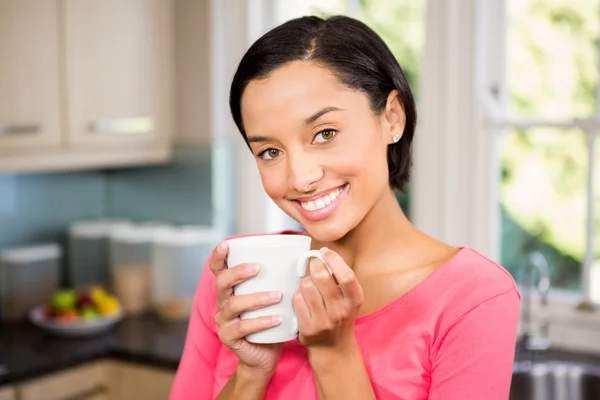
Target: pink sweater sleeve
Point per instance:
(473, 358)
(194, 379)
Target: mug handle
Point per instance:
(301, 269)
(302, 266)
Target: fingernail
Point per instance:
(222, 245)
(324, 250)
(275, 295)
(276, 319)
(252, 268)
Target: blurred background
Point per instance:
(120, 168)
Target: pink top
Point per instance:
(452, 337)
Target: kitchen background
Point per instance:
(117, 149)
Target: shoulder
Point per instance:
(471, 271)
(469, 280)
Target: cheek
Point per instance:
(273, 182)
(368, 161)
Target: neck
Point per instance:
(383, 231)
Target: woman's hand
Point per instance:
(259, 359)
(327, 307)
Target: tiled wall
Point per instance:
(178, 193)
(38, 207)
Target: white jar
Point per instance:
(29, 276)
(89, 251)
(178, 259)
(130, 265)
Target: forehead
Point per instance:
(292, 93)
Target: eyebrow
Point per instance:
(257, 139)
(319, 114)
(307, 121)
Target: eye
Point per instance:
(269, 154)
(325, 136)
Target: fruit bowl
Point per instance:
(78, 312)
(73, 328)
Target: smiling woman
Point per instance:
(329, 116)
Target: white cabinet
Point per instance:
(29, 76)
(117, 72)
(193, 78)
(132, 381)
(99, 380)
(85, 382)
(7, 393)
(85, 83)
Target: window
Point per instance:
(550, 174)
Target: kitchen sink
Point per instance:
(555, 380)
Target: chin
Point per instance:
(327, 232)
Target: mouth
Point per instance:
(322, 207)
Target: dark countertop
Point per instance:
(555, 354)
(27, 351)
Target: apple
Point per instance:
(88, 313)
(84, 300)
(64, 299)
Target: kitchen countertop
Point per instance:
(555, 354)
(27, 351)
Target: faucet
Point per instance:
(541, 341)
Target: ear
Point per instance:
(394, 117)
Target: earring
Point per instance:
(396, 138)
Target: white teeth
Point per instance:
(321, 202)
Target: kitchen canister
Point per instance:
(178, 259)
(130, 264)
(29, 276)
(89, 251)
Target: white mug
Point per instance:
(283, 262)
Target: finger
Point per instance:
(313, 299)
(218, 259)
(236, 275)
(325, 283)
(238, 330)
(227, 279)
(345, 277)
(302, 312)
(236, 305)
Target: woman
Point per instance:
(329, 115)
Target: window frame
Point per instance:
(498, 92)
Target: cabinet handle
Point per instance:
(18, 129)
(123, 126)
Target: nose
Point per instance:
(303, 172)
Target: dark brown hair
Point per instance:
(356, 55)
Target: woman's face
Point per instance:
(320, 149)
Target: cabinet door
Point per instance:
(133, 381)
(29, 76)
(118, 57)
(7, 393)
(86, 381)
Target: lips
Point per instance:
(320, 208)
(322, 201)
